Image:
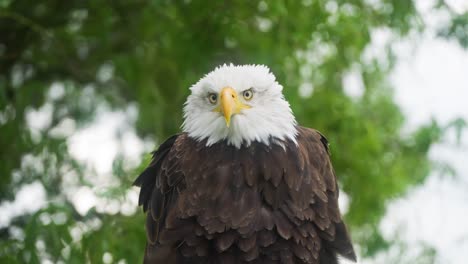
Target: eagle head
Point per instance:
(238, 104)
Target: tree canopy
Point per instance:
(147, 54)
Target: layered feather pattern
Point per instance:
(275, 203)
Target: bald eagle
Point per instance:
(243, 182)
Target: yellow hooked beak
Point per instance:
(230, 104)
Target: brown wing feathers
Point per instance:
(147, 179)
(264, 203)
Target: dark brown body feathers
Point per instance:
(257, 204)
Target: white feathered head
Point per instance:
(239, 104)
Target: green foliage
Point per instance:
(149, 53)
(457, 28)
(59, 233)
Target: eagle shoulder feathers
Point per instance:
(260, 203)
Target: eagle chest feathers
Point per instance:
(261, 203)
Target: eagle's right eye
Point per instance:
(213, 98)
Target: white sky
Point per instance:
(430, 80)
(434, 85)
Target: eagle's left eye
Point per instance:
(247, 94)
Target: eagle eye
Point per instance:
(213, 98)
(247, 94)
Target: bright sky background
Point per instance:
(430, 80)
